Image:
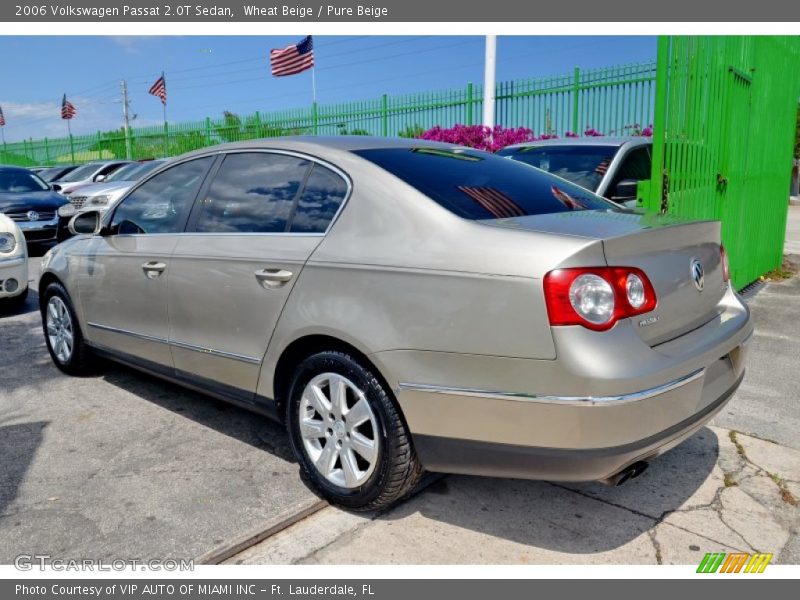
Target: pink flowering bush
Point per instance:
(492, 140)
(480, 137)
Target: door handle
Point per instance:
(153, 269)
(272, 278)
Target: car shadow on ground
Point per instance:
(225, 418)
(574, 518)
(18, 445)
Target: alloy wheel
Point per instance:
(60, 332)
(339, 430)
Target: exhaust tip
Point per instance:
(626, 474)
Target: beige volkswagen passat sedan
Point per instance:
(404, 305)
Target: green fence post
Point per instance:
(72, 148)
(166, 140)
(656, 188)
(469, 103)
(576, 91)
(314, 122)
(208, 131)
(385, 115)
(46, 152)
(99, 146)
(25, 148)
(258, 124)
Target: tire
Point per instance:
(79, 360)
(364, 480)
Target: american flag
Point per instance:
(159, 89)
(2, 118)
(67, 109)
(569, 202)
(292, 59)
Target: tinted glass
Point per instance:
(53, 173)
(19, 182)
(581, 164)
(477, 185)
(252, 193)
(322, 196)
(134, 171)
(81, 173)
(636, 166)
(161, 204)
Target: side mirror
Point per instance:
(88, 222)
(55, 187)
(625, 190)
(100, 178)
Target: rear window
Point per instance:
(582, 164)
(19, 182)
(476, 185)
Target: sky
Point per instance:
(208, 75)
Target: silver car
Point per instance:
(405, 305)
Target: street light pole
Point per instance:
(125, 102)
(488, 81)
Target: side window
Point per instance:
(253, 192)
(322, 196)
(635, 166)
(162, 204)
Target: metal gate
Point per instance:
(725, 112)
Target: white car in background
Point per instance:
(100, 196)
(13, 265)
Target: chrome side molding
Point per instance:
(568, 400)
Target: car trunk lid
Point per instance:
(665, 248)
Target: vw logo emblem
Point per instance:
(698, 276)
(32, 215)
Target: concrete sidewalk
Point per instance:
(732, 487)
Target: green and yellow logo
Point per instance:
(738, 562)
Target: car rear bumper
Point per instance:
(603, 417)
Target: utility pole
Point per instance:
(488, 81)
(125, 103)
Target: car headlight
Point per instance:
(8, 243)
(98, 201)
(67, 210)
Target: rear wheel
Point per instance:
(62, 333)
(347, 433)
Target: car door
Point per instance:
(635, 166)
(123, 275)
(251, 232)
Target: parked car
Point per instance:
(99, 196)
(89, 173)
(49, 174)
(13, 265)
(405, 305)
(30, 203)
(609, 166)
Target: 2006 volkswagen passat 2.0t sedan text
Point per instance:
(404, 305)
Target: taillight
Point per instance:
(597, 297)
(726, 270)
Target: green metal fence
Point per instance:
(612, 100)
(723, 142)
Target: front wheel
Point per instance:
(347, 433)
(62, 333)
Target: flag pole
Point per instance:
(489, 67)
(71, 144)
(313, 85)
(166, 127)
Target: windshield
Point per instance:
(81, 173)
(582, 164)
(19, 182)
(477, 185)
(134, 171)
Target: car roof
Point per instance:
(14, 168)
(600, 140)
(334, 142)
